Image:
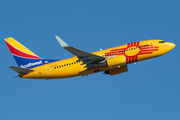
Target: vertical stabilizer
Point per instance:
(23, 56)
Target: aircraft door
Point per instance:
(151, 45)
(48, 70)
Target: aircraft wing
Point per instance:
(85, 57)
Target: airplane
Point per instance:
(111, 61)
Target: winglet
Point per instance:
(61, 42)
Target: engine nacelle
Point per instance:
(116, 61)
(116, 71)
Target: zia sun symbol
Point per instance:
(132, 51)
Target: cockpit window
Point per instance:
(162, 41)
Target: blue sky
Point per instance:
(148, 91)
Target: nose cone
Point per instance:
(172, 45)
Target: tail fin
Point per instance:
(23, 56)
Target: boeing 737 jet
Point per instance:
(111, 61)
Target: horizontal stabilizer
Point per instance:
(21, 70)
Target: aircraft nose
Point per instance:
(172, 45)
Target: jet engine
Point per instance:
(116, 61)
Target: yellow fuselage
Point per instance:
(71, 67)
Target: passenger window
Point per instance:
(64, 65)
(54, 67)
(74, 62)
(57, 66)
(131, 48)
(69, 63)
(60, 66)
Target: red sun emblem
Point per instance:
(132, 51)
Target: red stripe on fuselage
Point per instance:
(131, 59)
(19, 53)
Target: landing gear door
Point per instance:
(48, 70)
